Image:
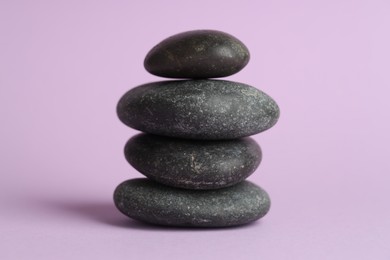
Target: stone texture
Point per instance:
(198, 109)
(193, 164)
(197, 54)
(151, 202)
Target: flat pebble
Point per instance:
(198, 109)
(197, 54)
(193, 164)
(151, 202)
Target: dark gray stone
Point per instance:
(193, 164)
(198, 109)
(197, 54)
(151, 202)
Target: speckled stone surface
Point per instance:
(197, 54)
(193, 164)
(151, 202)
(198, 109)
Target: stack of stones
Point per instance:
(195, 150)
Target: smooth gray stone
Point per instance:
(197, 54)
(198, 109)
(151, 202)
(193, 164)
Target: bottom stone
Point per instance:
(149, 201)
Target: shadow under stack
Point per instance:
(195, 150)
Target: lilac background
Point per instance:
(65, 64)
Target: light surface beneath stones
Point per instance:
(198, 109)
(193, 164)
(197, 54)
(151, 202)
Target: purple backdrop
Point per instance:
(65, 64)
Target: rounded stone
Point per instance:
(151, 202)
(197, 54)
(198, 109)
(193, 164)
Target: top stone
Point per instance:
(197, 54)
